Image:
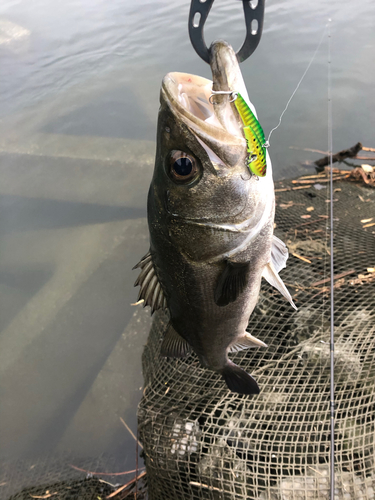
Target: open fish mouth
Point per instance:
(221, 133)
(192, 97)
(193, 93)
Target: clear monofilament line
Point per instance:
(297, 87)
(332, 337)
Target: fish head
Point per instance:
(202, 185)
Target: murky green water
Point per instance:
(79, 84)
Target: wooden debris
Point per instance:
(47, 495)
(293, 188)
(126, 485)
(366, 220)
(301, 258)
(310, 150)
(131, 432)
(340, 156)
(301, 187)
(335, 277)
(344, 174)
(310, 209)
(202, 485)
(103, 473)
(316, 176)
(363, 278)
(359, 173)
(369, 225)
(309, 222)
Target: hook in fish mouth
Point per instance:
(232, 93)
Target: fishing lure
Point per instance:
(254, 136)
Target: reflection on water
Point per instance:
(79, 99)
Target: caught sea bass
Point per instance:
(210, 220)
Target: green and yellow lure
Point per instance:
(254, 136)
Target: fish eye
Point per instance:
(183, 167)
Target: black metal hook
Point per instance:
(201, 8)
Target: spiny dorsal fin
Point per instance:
(174, 346)
(231, 283)
(270, 274)
(245, 342)
(151, 291)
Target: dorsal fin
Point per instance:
(151, 291)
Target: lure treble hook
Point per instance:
(199, 10)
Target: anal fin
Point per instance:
(245, 342)
(270, 274)
(231, 282)
(174, 346)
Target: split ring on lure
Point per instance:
(254, 135)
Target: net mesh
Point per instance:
(66, 477)
(202, 441)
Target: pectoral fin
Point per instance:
(245, 342)
(270, 274)
(231, 283)
(174, 346)
(151, 291)
(279, 254)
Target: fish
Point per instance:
(210, 221)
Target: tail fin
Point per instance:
(238, 380)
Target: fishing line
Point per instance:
(332, 337)
(267, 143)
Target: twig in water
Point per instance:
(309, 149)
(341, 155)
(103, 473)
(194, 483)
(136, 478)
(301, 258)
(336, 277)
(106, 482)
(131, 432)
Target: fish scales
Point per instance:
(210, 223)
